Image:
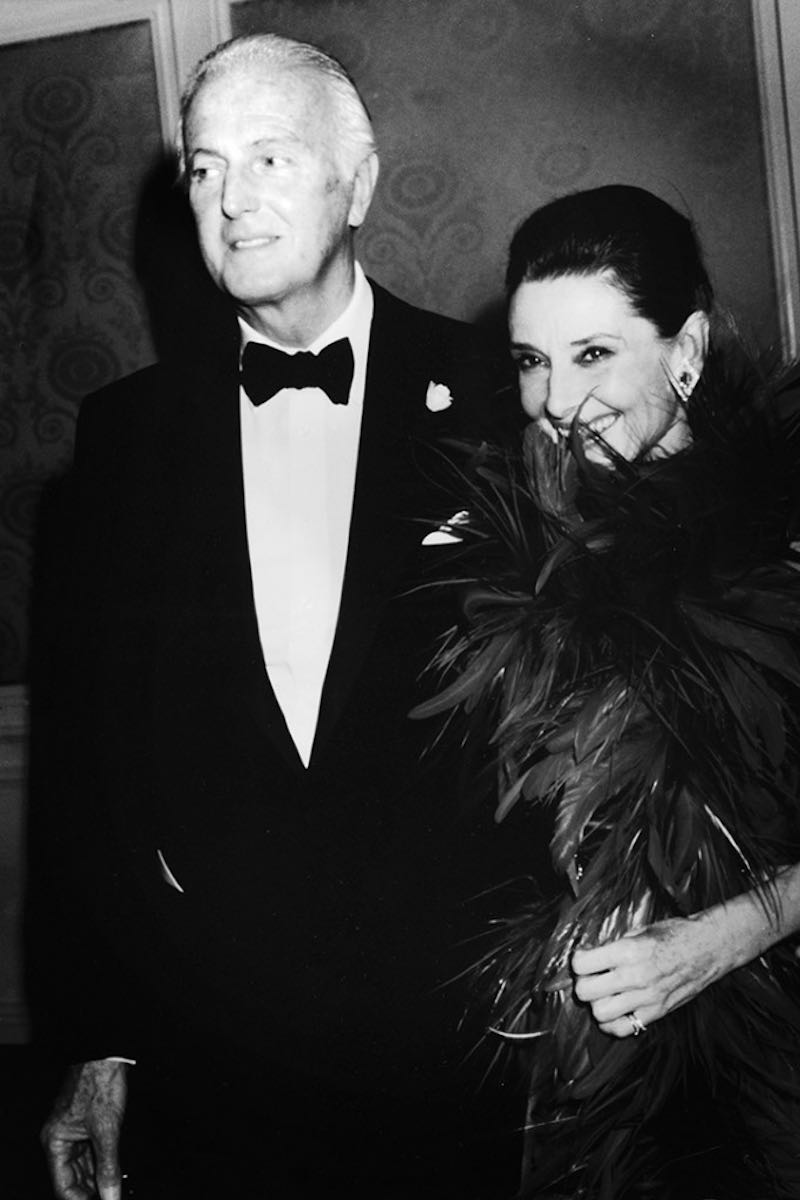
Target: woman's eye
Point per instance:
(528, 362)
(594, 354)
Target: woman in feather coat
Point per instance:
(631, 642)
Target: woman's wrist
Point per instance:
(746, 926)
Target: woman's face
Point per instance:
(583, 352)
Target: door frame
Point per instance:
(776, 26)
(181, 30)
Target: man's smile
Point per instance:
(253, 243)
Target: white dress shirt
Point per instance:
(299, 454)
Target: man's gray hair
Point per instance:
(355, 139)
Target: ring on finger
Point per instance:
(638, 1026)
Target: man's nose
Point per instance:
(239, 194)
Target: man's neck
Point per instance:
(300, 319)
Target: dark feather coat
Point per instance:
(630, 645)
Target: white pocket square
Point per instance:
(167, 875)
(438, 397)
(446, 534)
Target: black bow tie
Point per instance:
(265, 370)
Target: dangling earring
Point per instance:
(687, 381)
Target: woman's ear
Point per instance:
(692, 342)
(688, 354)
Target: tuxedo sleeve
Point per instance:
(80, 915)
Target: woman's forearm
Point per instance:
(658, 968)
(754, 921)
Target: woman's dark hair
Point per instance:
(649, 246)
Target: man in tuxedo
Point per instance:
(261, 864)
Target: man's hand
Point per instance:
(81, 1135)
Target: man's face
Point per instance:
(272, 210)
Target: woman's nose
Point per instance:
(563, 398)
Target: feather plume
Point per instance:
(629, 646)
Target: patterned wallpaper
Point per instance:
(79, 124)
(487, 108)
(483, 109)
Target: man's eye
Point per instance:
(270, 161)
(201, 174)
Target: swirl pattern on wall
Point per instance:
(18, 244)
(116, 229)
(81, 364)
(77, 142)
(419, 191)
(563, 164)
(57, 103)
(482, 111)
(20, 505)
(427, 234)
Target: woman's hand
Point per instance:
(649, 973)
(639, 978)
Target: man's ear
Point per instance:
(691, 343)
(364, 181)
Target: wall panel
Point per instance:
(486, 109)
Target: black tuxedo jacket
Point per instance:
(212, 889)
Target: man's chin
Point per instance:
(252, 293)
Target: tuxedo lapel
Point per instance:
(209, 608)
(388, 500)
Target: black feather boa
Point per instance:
(630, 646)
